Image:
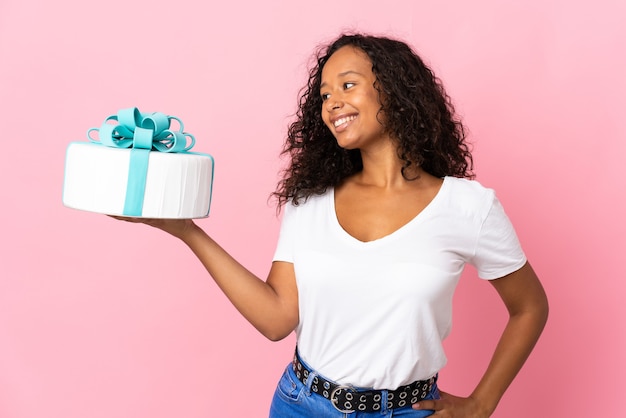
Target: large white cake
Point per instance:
(177, 185)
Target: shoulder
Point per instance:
(310, 204)
(470, 190)
(469, 197)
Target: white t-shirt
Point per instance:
(374, 314)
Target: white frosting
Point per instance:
(178, 185)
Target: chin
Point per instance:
(347, 145)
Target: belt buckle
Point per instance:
(349, 397)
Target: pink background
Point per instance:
(99, 318)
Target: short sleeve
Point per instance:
(498, 251)
(285, 245)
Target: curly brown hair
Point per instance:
(419, 115)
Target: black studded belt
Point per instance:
(348, 399)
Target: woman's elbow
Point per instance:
(276, 335)
(278, 330)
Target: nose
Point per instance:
(333, 103)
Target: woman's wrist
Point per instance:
(484, 407)
(189, 232)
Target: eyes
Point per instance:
(345, 86)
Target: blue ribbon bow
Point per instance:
(143, 132)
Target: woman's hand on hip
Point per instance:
(450, 406)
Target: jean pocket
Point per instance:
(434, 393)
(289, 387)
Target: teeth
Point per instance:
(344, 120)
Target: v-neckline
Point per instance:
(420, 215)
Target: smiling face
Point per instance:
(350, 102)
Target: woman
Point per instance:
(380, 218)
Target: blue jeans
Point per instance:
(292, 399)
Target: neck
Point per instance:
(383, 168)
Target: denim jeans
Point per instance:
(292, 399)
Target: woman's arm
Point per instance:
(527, 304)
(271, 306)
